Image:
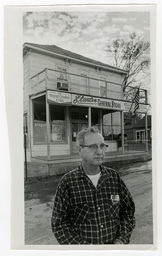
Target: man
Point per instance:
(92, 203)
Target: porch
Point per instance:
(52, 79)
(58, 165)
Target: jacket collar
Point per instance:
(105, 173)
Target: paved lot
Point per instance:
(39, 195)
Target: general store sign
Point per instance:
(83, 100)
(90, 101)
(59, 97)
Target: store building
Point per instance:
(64, 92)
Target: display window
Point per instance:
(111, 125)
(57, 119)
(58, 123)
(39, 122)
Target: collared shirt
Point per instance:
(85, 214)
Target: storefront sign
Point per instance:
(91, 101)
(84, 100)
(59, 97)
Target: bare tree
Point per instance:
(131, 55)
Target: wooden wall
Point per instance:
(39, 62)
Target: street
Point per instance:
(39, 197)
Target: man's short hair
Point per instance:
(86, 131)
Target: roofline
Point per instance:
(71, 58)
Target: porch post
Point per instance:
(89, 117)
(146, 132)
(69, 132)
(48, 129)
(31, 124)
(122, 129)
(46, 76)
(100, 121)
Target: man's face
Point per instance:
(89, 155)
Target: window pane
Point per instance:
(39, 122)
(116, 118)
(58, 124)
(116, 131)
(102, 91)
(39, 131)
(103, 87)
(84, 115)
(83, 79)
(57, 112)
(74, 115)
(107, 119)
(107, 132)
(58, 131)
(40, 111)
(62, 73)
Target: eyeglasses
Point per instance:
(94, 147)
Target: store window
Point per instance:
(107, 126)
(116, 125)
(58, 123)
(39, 122)
(111, 125)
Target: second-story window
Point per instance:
(83, 79)
(84, 82)
(62, 79)
(62, 73)
(103, 88)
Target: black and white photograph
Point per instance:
(87, 111)
(87, 76)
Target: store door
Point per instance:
(77, 126)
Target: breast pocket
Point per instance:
(112, 209)
(80, 213)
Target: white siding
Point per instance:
(26, 83)
(38, 62)
(55, 150)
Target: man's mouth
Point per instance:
(98, 158)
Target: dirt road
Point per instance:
(39, 195)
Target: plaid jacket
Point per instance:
(85, 214)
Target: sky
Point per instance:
(86, 33)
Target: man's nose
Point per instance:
(99, 150)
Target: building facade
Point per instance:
(65, 92)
